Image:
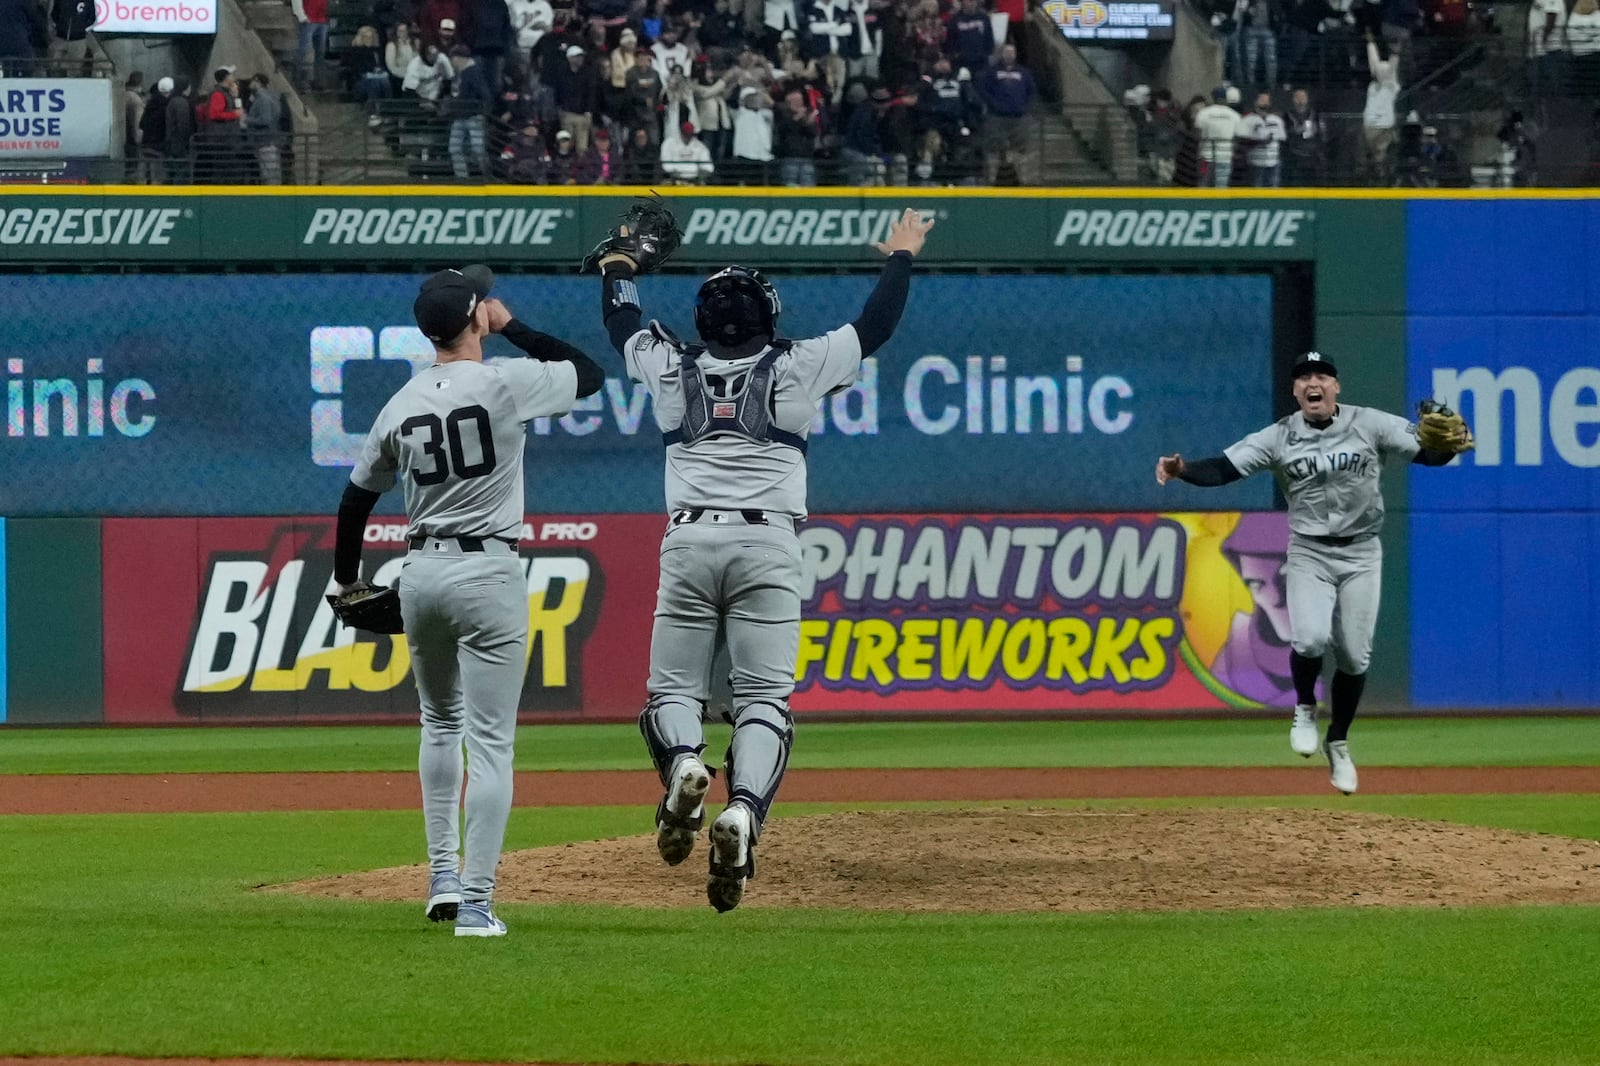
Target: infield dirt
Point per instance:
(1062, 860)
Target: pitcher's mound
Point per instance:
(1061, 860)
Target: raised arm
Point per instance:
(545, 348)
(619, 300)
(884, 307)
(1207, 473)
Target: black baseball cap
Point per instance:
(447, 301)
(1313, 363)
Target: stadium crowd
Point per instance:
(690, 91)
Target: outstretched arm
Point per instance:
(545, 348)
(1207, 473)
(884, 307)
(619, 301)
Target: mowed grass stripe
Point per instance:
(1568, 741)
(149, 940)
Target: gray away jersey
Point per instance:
(454, 434)
(1329, 476)
(727, 472)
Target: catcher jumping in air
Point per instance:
(454, 435)
(734, 412)
(1327, 458)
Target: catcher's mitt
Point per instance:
(375, 608)
(646, 236)
(1440, 429)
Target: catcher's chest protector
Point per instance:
(743, 409)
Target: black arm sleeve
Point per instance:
(354, 510)
(888, 301)
(548, 349)
(619, 304)
(1209, 473)
(1430, 457)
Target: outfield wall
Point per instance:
(988, 536)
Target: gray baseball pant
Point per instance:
(1333, 599)
(722, 574)
(466, 616)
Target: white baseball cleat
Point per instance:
(733, 859)
(1303, 734)
(1341, 768)
(683, 809)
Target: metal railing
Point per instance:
(91, 66)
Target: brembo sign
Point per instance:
(155, 16)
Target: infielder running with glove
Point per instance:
(454, 435)
(734, 412)
(1327, 458)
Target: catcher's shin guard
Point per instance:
(671, 727)
(758, 756)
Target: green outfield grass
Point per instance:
(142, 935)
(1378, 742)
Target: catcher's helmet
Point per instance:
(736, 305)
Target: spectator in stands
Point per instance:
(780, 15)
(578, 96)
(971, 36)
(312, 50)
(427, 77)
(366, 72)
(925, 31)
(261, 127)
(564, 162)
(388, 15)
(70, 22)
(397, 56)
(1518, 156)
(219, 134)
(671, 53)
(947, 111)
(525, 159)
(723, 29)
(1216, 126)
(180, 135)
(752, 70)
(1264, 132)
(1262, 21)
(1547, 55)
(684, 158)
(1377, 120)
(491, 36)
(132, 113)
(711, 102)
(679, 104)
(24, 35)
(1401, 18)
(640, 159)
(1164, 138)
(1583, 39)
(153, 134)
(752, 134)
(645, 91)
(830, 25)
(530, 21)
(1305, 21)
(795, 128)
(865, 44)
(602, 163)
(859, 148)
(470, 99)
(440, 19)
(792, 63)
(1008, 92)
(1305, 149)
